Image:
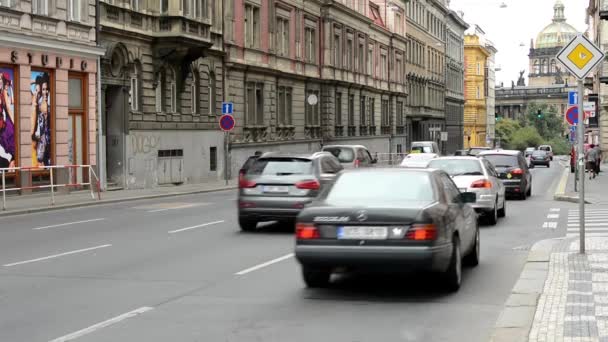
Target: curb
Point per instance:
(516, 318)
(560, 192)
(109, 201)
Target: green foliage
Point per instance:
(525, 137)
(505, 128)
(549, 123)
(560, 146)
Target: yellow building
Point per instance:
(476, 54)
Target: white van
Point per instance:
(548, 149)
(425, 147)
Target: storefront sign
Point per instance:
(44, 60)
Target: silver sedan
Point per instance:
(472, 174)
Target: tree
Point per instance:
(505, 128)
(525, 137)
(548, 123)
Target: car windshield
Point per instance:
(422, 149)
(459, 167)
(502, 160)
(344, 154)
(539, 153)
(281, 167)
(545, 148)
(380, 187)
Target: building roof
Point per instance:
(558, 33)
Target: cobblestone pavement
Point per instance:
(574, 304)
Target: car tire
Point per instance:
(492, 215)
(472, 258)
(502, 212)
(247, 225)
(315, 278)
(453, 275)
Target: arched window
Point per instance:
(170, 91)
(536, 67)
(211, 93)
(160, 85)
(135, 91)
(553, 66)
(194, 90)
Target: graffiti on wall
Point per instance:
(144, 143)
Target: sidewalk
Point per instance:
(596, 190)
(16, 205)
(562, 295)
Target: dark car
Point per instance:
(540, 157)
(277, 186)
(388, 220)
(512, 170)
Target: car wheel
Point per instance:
(492, 215)
(247, 225)
(453, 275)
(502, 212)
(314, 277)
(472, 258)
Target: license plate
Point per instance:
(362, 233)
(276, 189)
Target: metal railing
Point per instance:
(92, 183)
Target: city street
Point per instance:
(179, 269)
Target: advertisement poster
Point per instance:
(7, 118)
(40, 88)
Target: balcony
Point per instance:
(339, 131)
(285, 132)
(312, 132)
(255, 133)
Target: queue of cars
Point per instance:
(350, 214)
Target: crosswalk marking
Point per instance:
(554, 209)
(596, 222)
(550, 225)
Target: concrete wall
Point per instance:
(145, 169)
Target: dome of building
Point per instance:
(558, 33)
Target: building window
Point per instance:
(351, 110)
(312, 117)
(77, 10)
(282, 36)
(310, 39)
(337, 51)
(384, 65)
(39, 7)
(398, 23)
(160, 84)
(134, 92)
(255, 104)
(11, 3)
(338, 114)
(370, 59)
(478, 94)
(371, 113)
(362, 118)
(385, 115)
(478, 68)
(135, 5)
(536, 67)
(361, 58)
(284, 102)
(398, 69)
(194, 91)
(252, 26)
(211, 93)
(164, 6)
(349, 54)
(399, 114)
(212, 158)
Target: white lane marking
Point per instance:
(553, 216)
(194, 227)
(68, 224)
(173, 208)
(265, 264)
(586, 220)
(551, 225)
(588, 234)
(56, 255)
(103, 324)
(603, 224)
(554, 209)
(589, 229)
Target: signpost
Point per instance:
(580, 56)
(572, 115)
(227, 124)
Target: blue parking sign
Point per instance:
(227, 107)
(572, 98)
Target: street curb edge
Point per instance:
(517, 316)
(109, 201)
(561, 187)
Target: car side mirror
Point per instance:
(467, 197)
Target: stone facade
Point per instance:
(454, 96)
(598, 33)
(162, 89)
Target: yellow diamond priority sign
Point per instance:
(580, 56)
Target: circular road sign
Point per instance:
(572, 115)
(227, 122)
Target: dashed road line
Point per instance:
(68, 224)
(265, 264)
(56, 255)
(194, 227)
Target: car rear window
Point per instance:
(539, 153)
(281, 167)
(460, 167)
(422, 149)
(344, 154)
(502, 160)
(545, 148)
(367, 188)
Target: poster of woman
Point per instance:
(40, 88)
(7, 118)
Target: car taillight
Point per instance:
(482, 183)
(307, 231)
(422, 232)
(246, 184)
(518, 171)
(312, 184)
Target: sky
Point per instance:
(519, 22)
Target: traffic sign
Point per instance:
(572, 115)
(572, 98)
(589, 108)
(227, 107)
(227, 122)
(580, 56)
(572, 134)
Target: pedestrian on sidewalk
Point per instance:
(599, 159)
(592, 159)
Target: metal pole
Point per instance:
(91, 183)
(226, 137)
(3, 190)
(581, 165)
(52, 187)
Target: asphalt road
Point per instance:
(179, 269)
